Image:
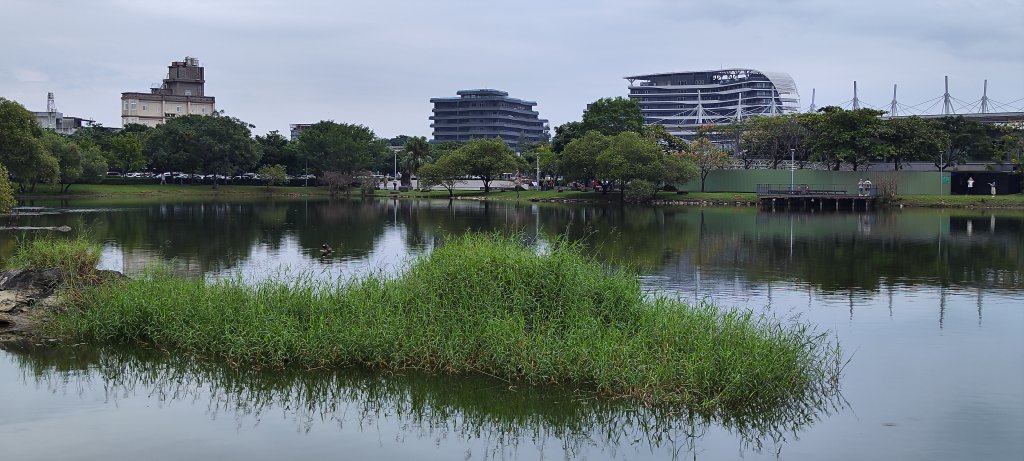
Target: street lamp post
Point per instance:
(792, 169)
(395, 176)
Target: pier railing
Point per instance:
(816, 190)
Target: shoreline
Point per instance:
(693, 199)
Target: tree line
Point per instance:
(609, 148)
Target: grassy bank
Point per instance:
(479, 304)
(170, 190)
(963, 201)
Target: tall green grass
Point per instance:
(76, 257)
(481, 304)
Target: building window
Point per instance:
(177, 108)
(188, 92)
(143, 107)
(133, 106)
(204, 110)
(125, 105)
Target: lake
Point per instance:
(928, 306)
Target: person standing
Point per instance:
(993, 186)
(970, 185)
(867, 188)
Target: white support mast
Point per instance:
(947, 103)
(856, 102)
(984, 98)
(894, 109)
(813, 107)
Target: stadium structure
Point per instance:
(684, 101)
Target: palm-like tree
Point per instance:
(417, 151)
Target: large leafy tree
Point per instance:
(126, 151)
(276, 150)
(630, 157)
(611, 116)
(21, 148)
(968, 140)
(854, 137)
(706, 157)
(913, 138)
(445, 172)
(565, 134)
(340, 147)
(7, 200)
(579, 159)
(68, 155)
(203, 144)
(773, 139)
(488, 159)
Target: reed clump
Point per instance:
(76, 257)
(483, 304)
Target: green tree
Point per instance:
(706, 158)
(445, 172)
(68, 155)
(341, 147)
(579, 159)
(968, 140)
(488, 159)
(203, 144)
(7, 200)
(94, 165)
(21, 147)
(630, 157)
(854, 137)
(913, 138)
(774, 139)
(565, 134)
(273, 175)
(275, 149)
(126, 152)
(417, 153)
(611, 116)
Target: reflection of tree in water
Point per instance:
(505, 417)
(351, 227)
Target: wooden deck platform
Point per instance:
(816, 196)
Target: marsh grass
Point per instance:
(76, 257)
(480, 304)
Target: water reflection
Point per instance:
(506, 417)
(832, 252)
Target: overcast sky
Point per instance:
(379, 62)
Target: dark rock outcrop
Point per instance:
(27, 295)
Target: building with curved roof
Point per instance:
(685, 101)
(487, 113)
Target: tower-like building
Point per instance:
(487, 113)
(182, 93)
(684, 101)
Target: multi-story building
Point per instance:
(295, 129)
(182, 93)
(60, 123)
(684, 101)
(487, 113)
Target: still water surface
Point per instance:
(927, 304)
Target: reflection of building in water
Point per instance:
(137, 260)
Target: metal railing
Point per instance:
(829, 190)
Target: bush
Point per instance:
(640, 191)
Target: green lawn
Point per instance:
(177, 190)
(1009, 201)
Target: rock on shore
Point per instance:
(26, 296)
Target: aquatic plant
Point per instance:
(479, 304)
(76, 257)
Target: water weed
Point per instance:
(483, 304)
